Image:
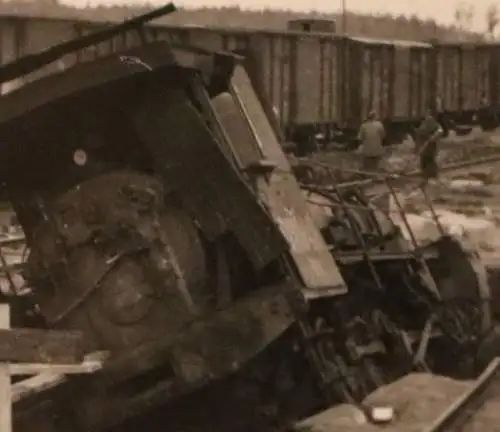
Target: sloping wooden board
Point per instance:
(284, 200)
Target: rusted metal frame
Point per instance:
(360, 239)
(306, 334)
(6, 271)
(317, 362)
(321, 366)
(423, 344)
(416, 248)
(435, 217)
(402, 213)
(359, 192)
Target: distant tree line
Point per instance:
(376, 26)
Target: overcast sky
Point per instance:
(440, 10)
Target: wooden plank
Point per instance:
(89, 365)
(5, 387)
(285, 202)
(36, 384)
(52, 375)
(12, 240)
(41, 346)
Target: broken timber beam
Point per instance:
(31, 352)
(50, 375)
(41, 346)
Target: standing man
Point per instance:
(372, 136)
(426, 146)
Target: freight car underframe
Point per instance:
(233, 214)
(316, 136)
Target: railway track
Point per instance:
(462, 412)
(376, 184)
(343, 168)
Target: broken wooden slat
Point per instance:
(51, 378)
(12, 240)
(41, 346)
(90, 364)
(5, 387)
(34, 385)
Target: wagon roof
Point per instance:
(395, 42)
(94, 74)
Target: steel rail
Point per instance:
(456, 417)
(378, 186)
(380, 178)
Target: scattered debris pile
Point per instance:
(417, 399)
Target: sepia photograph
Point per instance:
(259, 216)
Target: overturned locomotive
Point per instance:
(164, 221)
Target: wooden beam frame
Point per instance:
(47, 374)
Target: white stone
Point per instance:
(464, 185)
(382, 414)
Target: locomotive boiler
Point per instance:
(164, 221)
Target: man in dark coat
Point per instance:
(426, 145)
(372, 135)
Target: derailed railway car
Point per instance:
(166, 224)
(466, 81)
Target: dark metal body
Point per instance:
(147, 246)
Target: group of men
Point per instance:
(372, 136)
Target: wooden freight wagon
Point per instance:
(314, 81)
(447, 77)
(388, 76)
(465, 74)
(489, 56)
